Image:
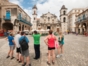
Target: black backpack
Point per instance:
(23, 44)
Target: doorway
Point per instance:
(48, 27)
(57, 29)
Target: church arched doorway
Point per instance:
(48, 27)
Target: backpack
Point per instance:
(23, 44)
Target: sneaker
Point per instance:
(12, 58)
(7, 56)
(48, 63)
(53, 62)
(61, 54)
(17, 59)
(24, 64)
(58, 56)
(36, 58)
(20, 61)
(29, 64)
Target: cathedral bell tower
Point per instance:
(63, 18)
(34, 17)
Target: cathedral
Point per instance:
(49, 21)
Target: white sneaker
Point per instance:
(61, 54)
(58, 56)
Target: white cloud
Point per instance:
(54, 5)
(18, 2)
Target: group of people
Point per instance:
(20, 41)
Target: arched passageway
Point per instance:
(8, 26)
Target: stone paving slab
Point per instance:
(75, 52)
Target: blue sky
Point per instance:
(52, 6)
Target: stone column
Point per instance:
(80, 30)
(76, 30)
(87, 27)
(21, 27)
(15, 29)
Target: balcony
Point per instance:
(6, 18)
(24, 21)
(82, 20)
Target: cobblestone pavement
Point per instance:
(75, 52)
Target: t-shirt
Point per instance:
(10, 39)
(36, 39)
(16, 38)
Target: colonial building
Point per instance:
(82, 22)
(50, 21)
(12, 17)
(72, 18)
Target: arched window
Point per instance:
(48, 18)
(83, 16)
(34, 18)
(64, 12)
(64, 19)
(34, 12)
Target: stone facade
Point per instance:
(72, 15)
(82, 22)
(49, 21)
(12, 17)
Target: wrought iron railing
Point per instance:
(82, 20)
(24, 21)
(6, 18)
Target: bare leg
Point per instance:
(53, 55)
(17, 56)
(59, 49)
(22, 59)
(49, 56)
(62, 49)
(28, 60)
(11, 53)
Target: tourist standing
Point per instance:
(18, 50)
(24, 49)
(61, 43)
(50, 42)
(36, 37)
(11, 45)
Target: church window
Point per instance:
(64, 19)
(34, 18)
(34, 12)
(64, 12)
(48, 18)
(53, 20)
(44, 20)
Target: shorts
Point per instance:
(25, 53)
(61, 44)
(18, 50)
(51, 48)
(12, 47)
